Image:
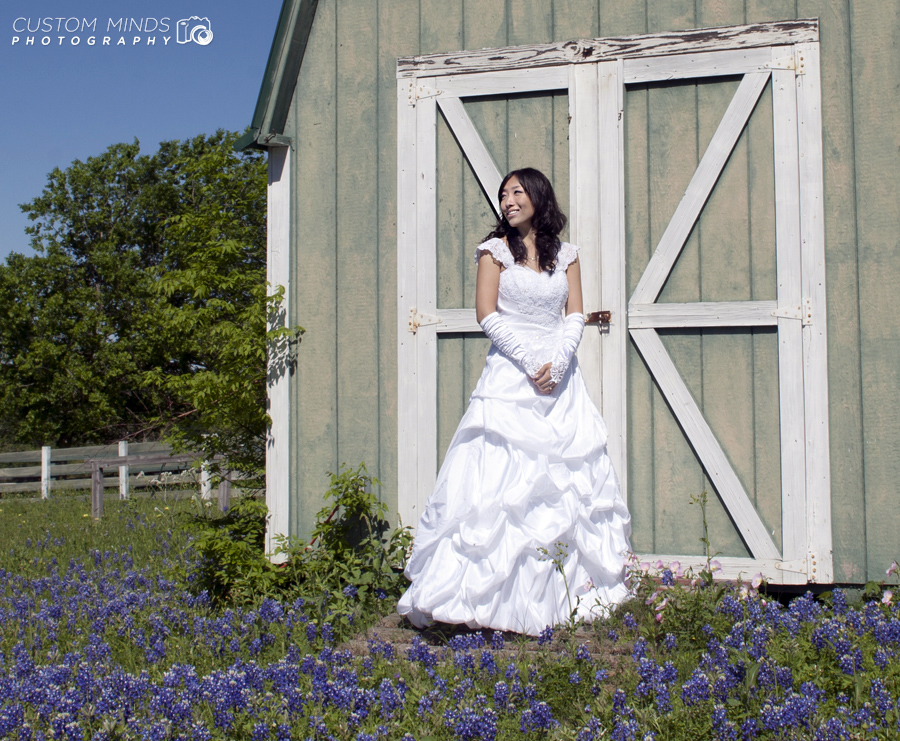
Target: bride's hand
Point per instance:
(543, 381)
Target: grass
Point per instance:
(104, 634)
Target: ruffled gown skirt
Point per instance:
(526, 523)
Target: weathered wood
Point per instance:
(692, 66)
(397, 34)
(470, 142)
(315, 118)
(584, 195)
(705, 444)
(123, 470)
(134, 482)
(96, 491)
(224, 496)
(46, 481)
(407, 407)
(476, 84)
(875, 64)
(611, 260)
(278, 275)
(426, 300)
(849, 505)
(815, 339)
(731, 568)
(704, 314)
(80, 453)
(790, 340)
(717, 153)
(724, 269)
(582, 51)
(355, 156)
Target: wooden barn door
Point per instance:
(632, 353)
(425, 106)
(794, 315)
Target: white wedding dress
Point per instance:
(526, 480)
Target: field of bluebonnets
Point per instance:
(162, 622)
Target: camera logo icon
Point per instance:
(193, 29)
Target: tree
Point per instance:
(144, 311)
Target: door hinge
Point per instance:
(803, 313)
(417, 319)
(799, 566)
(795, 62)
(417, 92)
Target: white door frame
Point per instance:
(595, 73)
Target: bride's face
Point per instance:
(516, 205)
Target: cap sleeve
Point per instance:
(497, 247)
(566, 255)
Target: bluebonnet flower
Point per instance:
(472, 724)
(696, 689)
(350, 591)
(537, 717)
(612, 635)
(724, 728)
(881, 698)
(667, 578)
(327, 634)
(582, 653)
(639, 650)
(546, 636)
(591, 731)
(497, 641)
(487, 664)
(420, 652)
(749, 729)
(270, 611)
(629, 621)
(501, 695)
(670, 642)
(575, 678)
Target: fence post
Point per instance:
(45, 472)
(124, 470)
(205, 481)
(96, 490)
(225, 491)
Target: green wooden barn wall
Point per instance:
(343, 124)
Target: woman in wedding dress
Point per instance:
(526, 525)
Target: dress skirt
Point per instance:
(526, 524)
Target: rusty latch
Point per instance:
(598, 317)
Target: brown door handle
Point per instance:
(598, 317)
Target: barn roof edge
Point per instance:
(282, 68)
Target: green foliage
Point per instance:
(233, 566)
(351, 569)
(144, 312)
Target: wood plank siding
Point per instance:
(343, 125)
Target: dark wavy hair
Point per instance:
(548, 220)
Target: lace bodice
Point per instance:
(532, 303)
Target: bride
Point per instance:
(526, 525)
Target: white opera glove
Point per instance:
(573, 329)
(506, 342)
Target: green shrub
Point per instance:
(350, 571)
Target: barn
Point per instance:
(729, 168)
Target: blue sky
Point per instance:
(62, 100)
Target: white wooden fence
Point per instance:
(138, 466)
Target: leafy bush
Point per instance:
(350, 569)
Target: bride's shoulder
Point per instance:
(496, 247)
(567, 254)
